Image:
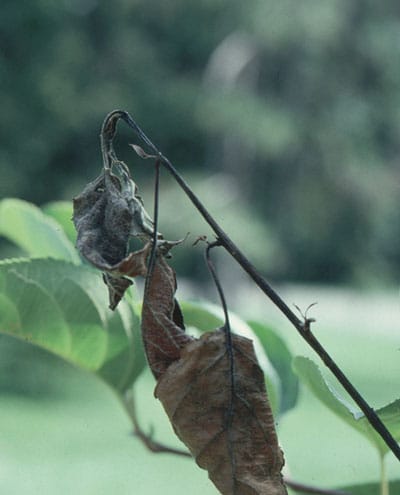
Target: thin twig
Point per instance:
(302, 328)
(153, 253)
(146, 438)
(227, 327)
(229, 349)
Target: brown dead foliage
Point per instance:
(106, 215)
(230, 431)
(212, 388)
(162, 323)
(216, 400)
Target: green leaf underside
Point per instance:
(61, 212)
(281, 359)
(207, 317)
(37, 234)
(63, 309)
(370, 488)
(310, 374)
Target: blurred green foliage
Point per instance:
(296, 104)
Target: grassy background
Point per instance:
(78, 439)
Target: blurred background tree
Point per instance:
(284, 115)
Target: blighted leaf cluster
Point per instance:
(212, 388)
(216, 400)
(107, 214)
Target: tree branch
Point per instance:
(303, 327)
(128, 402)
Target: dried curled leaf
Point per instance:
(106, 214)
(162, 323)
(215, 399)
(224, 419)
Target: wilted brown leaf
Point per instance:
(162, 323)
(223, 415)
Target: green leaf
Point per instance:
(310, 374)
(371, 488)
(38, 319)
(61, 211)
(281, 359)
(206, 317)
(63, 308)
(37, 234)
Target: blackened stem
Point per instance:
(220, 291)
(229, 350)
(153, 253)
(303, 327)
